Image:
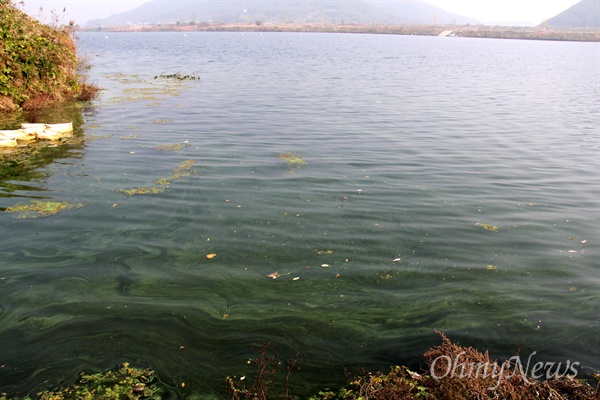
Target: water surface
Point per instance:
(409, 142)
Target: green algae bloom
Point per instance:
(487, 226)
(39, 208)
(294, 161)
(184, 168)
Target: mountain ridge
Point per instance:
(585, 14)
(288, 11)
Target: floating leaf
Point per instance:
(490, 267)
(211, 256)
(274, 275)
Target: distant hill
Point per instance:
(285, 11)
(585, 14)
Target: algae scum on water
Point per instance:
(42, 208)
(184, 168)
(294, 161)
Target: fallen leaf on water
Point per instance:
(490, 267)
(274, 275)
(211, 255)
(225, 316)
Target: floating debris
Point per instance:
(397, 259)
(38, 208)
(162, 121)
(487, 226)
(490, 267)
(325, 266)
(294, 161)
(211, 256)
(273, 275)
(321, 252)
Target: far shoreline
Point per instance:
(473, 31)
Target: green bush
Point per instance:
(38, 62)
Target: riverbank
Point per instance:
(452, 372)
(478, 31)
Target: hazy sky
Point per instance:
(487, 11)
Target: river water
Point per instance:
(402, 151)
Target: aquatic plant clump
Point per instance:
(487, 226)
(121, 383)
(294, 161)
(179, 76)
(39, 208)
(183, 169)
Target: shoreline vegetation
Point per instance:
(474, 31)
(38, 63)
(452, 372)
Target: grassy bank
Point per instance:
(452, 372)
(480, 31)
(38, 63)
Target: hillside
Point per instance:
(284, 11)
(585, 14)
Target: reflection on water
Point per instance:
(411, 146)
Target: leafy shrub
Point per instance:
(38, 63)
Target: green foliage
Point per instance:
(38, 62)
(122, 383)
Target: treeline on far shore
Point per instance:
(476, 31)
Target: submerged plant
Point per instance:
(39, 208)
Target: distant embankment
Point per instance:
(479, 31)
